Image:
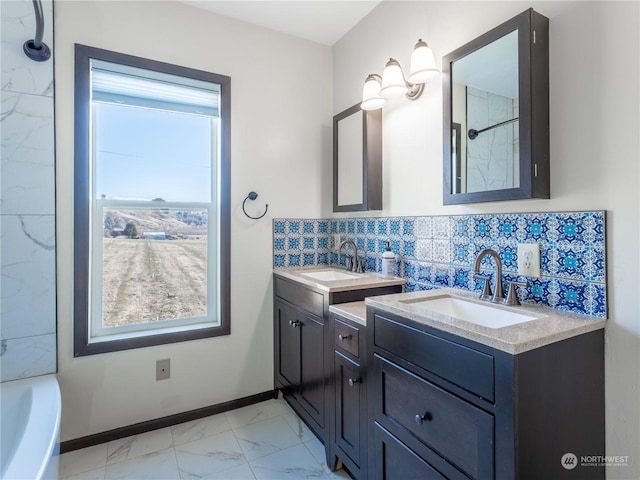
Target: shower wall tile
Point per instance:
(27, 357)
(20, 73)
(27, 253)
(27, 185)
(440, 251)
(27, 197)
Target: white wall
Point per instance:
(281, 135)
(594, 78)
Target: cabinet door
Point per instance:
(395, 461)
(288, 346)
(312, 377)
(348, 394)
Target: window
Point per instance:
(151, 201)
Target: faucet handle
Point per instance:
(358, 267)
(349, 263)
(486, 289)
(512, 298)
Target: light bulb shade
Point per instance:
(371, 99)
(393, 82)
(423, 64)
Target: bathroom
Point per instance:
(285, 91)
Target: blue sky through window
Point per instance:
(146, 153)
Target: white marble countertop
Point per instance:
(354, 311)
(363, 280)
(550, 325)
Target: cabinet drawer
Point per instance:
(463, 366)
(393, 460)
(311, 301)
(415, 409)
(346, 337)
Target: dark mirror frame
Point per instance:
(533, 83)
(371, 160)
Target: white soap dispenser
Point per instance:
(388, 262)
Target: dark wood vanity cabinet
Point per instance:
(300, 368)
(443, 407)
(350, 413)
(304, 351)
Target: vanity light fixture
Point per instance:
(393, 83)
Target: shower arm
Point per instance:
(36, 49)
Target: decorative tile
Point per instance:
(462, 254)
(572, 251)
(424, 249)
(279, 226)
(395, 226)
(408, 226)
(382, 226)
(424, 227)
(509, 256)
(440, 276)
(441, 251)
(441, 228)
(462, 278)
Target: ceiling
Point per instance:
(322, 21)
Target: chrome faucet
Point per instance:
(353, 265)
(486, 291)
(512, 298)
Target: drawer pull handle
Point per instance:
(422, 418)
(344, 337)
(294, 323)
(353, 381)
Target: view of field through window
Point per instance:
(154, 265)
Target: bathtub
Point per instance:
(30, 428)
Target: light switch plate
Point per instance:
(529, 259)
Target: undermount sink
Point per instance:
(485, 315)
(329, 275)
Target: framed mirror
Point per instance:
(496, 114)
(357, 160)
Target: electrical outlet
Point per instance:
(529, 259)
(163, 369)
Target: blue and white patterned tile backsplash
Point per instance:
(439, 251)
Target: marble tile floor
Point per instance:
(258, 442)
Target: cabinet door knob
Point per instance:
(344, 337)
(422, 418)
(353, 381)
(294, 323)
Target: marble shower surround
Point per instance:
(490, 156)
(27, 199)
(439, 251)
